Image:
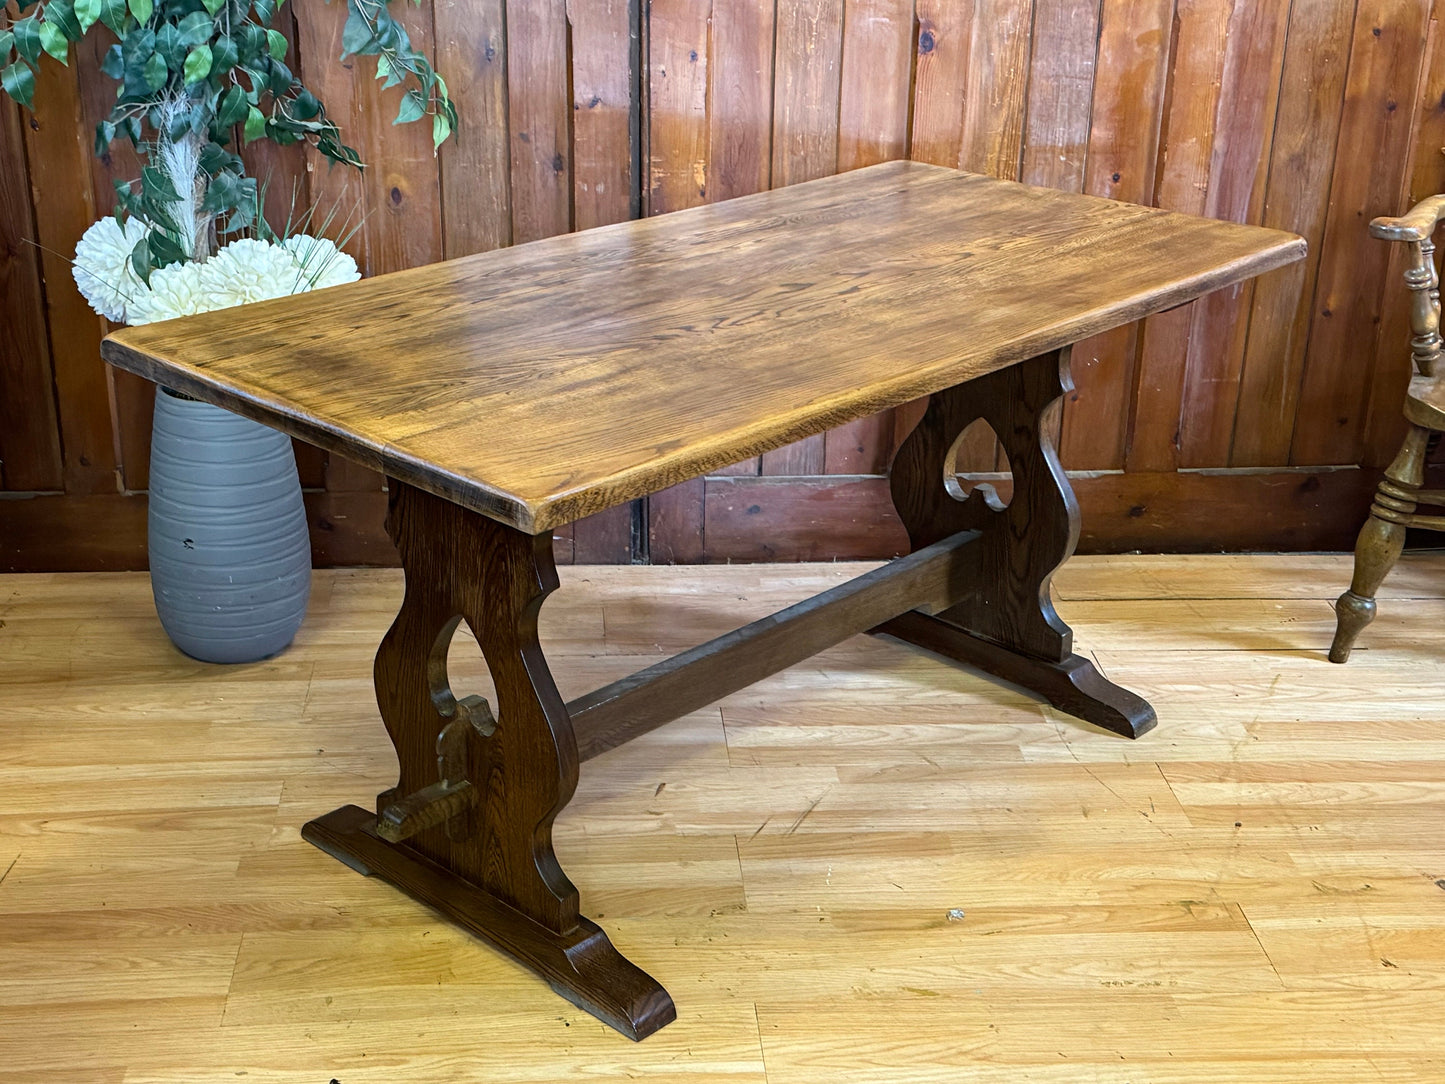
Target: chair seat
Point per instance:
(1425, 403)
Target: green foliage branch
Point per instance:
(191, 74)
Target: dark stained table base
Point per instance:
(468, 827)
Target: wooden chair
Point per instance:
(1400, 493)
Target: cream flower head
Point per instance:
(320, 262)
(250, 270)
(102, 267)
(174, 291)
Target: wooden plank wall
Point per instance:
(1236, 422)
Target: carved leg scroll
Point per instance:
(468, 827)
(1006, 625)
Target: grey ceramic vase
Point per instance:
(230, 555)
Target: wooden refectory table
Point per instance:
(510, 393)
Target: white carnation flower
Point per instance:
(321, 263)
(177, 290)
(102, 267)
(250, 270)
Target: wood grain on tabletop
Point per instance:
(541, 383)
(1247, 894)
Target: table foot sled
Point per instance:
(468, 827)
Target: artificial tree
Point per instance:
(194, 75)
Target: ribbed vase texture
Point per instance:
(230, 555)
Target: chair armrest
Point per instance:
(1417, 224)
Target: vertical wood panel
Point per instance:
(1129, 79)
(740, 100)
(873, 92)
(941, 85)
(807, 78)
(1186, 145)
(678, 101)
(872, 127)
(740, 115)
(991, 142)
(1239, 171)
(807, 73)
(679, 49)
(1061, 93)
(1425, 176)
(476, 171)
(1384, 71)
(540, 111)
(993, 106)
(1060, 103)
(29, 428)
(60, 151)
(602, 36)
(945, 37)
(1306, 134)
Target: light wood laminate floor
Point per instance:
(872, 867)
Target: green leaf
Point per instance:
(223, 193)
(164, 250)
(54, 43)
(440, 129)
(305, 106)
(265, 11)
(140, 260)
(171, 45)
(87, 13)
(356, 35)
(392, 77)
(19, 82)
(155, 185)
(141, 9)
(214, 158)
(113, 14)
(135, 50)
(253, 43)
(113, 63)
(214, 6)
(255, 125)
(104, 133)
(155, 72)
(27, 38)
(224, 55)
(279, 78)
(196, 28)
(233, 107)
(198, 64)
(413, 107)
(7, 42)
(60, 14)
(276, 41)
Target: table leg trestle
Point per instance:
(1006, 623)
(468, 827)
(488, 865)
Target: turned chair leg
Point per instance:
(1381, 541)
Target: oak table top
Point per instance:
(542, 383)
